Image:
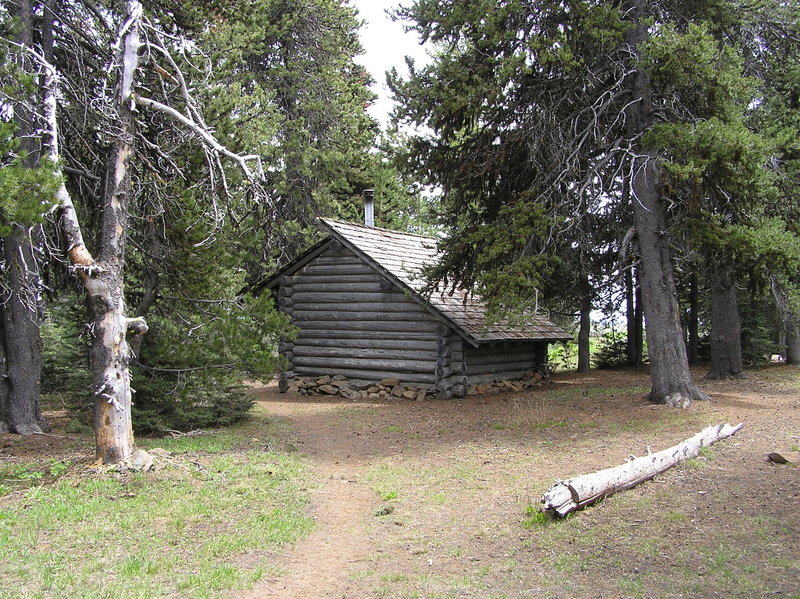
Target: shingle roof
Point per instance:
(402, 256)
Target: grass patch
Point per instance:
(386, 478)
(549, 424)
(664, 422)
(21, 476)
(439, 498)
(210, 443)
(176, 531)
(566, 562)
(563, 393)
(673, 516)
(632, 585)
(534, 518)
(706, 452)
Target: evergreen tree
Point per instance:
(188, 271)
(535, 105)
(716, 161)
(777, 59)
(27, 185)
(285, 78)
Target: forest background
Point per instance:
(636, 157)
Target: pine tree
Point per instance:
(27, 185)
(535, 106)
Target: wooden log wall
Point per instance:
(450, 365)
(504, 361)
(355, 323)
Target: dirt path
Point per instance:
(342, 506)
(457, 479)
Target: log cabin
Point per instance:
(356, 298)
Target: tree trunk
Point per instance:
(694, 339)
(103, 278)
(726, 329)
(633, 315)
(111, 331)
(19, 335)
(638, 338)
(585, 326)
(570, 495)
(671, 381)
(21, 309)
(793, 344)
(110, 352)
(630, 318)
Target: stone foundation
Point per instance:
(533, 379)
(394, 388)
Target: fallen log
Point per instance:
(573, 494)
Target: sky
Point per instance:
(386, 45)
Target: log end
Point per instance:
(558, 500)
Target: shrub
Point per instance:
(563, 356)
(612, 351)
(65, 353)
(195, 402)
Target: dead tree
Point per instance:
(102, 273)
(570, 495)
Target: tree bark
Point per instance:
(585, 326)
(21, 303)
(110, 352)
(726, 329)
(693, 337)
(630, 317)
(671, 381)
(793, 344)
(567, 496)
(19, 335)
(633, 315)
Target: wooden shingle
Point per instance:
(402, 257)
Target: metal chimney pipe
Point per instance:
(369, 207)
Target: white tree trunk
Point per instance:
(570, 495)
(103, 275)
(110, 351)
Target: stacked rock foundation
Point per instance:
(393, 388)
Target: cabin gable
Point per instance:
(356, 323)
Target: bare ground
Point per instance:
(431, 499)
(435, 499)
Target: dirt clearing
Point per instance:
(438, 499)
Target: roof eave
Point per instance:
(296, 264)
(523, 340)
